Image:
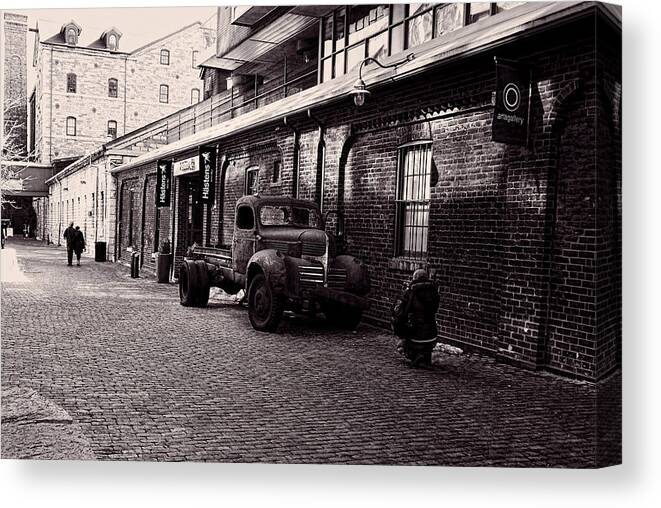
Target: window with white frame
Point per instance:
(413, 197)
(195, 96)
(164, 94)
(165, 57)
(71, 126)
(194, 59)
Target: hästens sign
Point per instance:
(185, 166)
(511, 112)
(163, 183)
(207, 173)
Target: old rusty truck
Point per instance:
(283, 257)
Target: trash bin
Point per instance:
(100, 251)
(163, 264)
(135, 265)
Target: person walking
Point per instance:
(78, 243)
(414, 319)
(69, 234)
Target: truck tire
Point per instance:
(343, 316)
(264, 306)
(203, 287)
(188, 283)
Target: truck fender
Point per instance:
(271, 263)
(358, 277)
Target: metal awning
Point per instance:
(257, 45)
(248, 15)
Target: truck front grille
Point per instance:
(310, 276)
(313, 249)
(337, 278)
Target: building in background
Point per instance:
(89, 91)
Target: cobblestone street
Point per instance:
(144, 378)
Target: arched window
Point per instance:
(164, 94)
(72, 36)
(71, 126)
(112, 87)
(165, 57)
(112, 129)
(194, 96)
(112, 42)
(71, 83)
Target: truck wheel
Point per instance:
(342, 316)
(188, 283)
(203, 287)
(264, 307)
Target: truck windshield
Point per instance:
(287, 215)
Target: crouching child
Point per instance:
(414, 319)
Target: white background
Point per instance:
(636, 483)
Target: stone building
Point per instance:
(90, 91)
(14, 93)
(390, 115)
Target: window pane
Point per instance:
(378, 46)
(327, 69)
(449, 17)
(419, 30)
(398, 12)
(339, 64)
(327, 45)
(340, 17)
(416, 8)
(397, 39)
(503, 6)
(479, 10)
(355, 55)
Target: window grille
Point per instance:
(413, 198)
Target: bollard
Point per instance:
(135, 265)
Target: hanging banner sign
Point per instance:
(185, 166)
(163, 183)
(511, 112)
(207, 173)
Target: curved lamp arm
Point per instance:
(360, 91)
(407, 58)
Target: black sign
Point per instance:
(510, 116)
(207, 173)
(163, 183)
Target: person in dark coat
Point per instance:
(69, 234)
(414, 319)
(78, 243)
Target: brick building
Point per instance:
(88, 91)
(525, 239)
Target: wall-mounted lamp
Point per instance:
(360, 91)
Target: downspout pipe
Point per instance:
(297, 136)
(321, 160)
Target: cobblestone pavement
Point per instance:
(147, 379)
